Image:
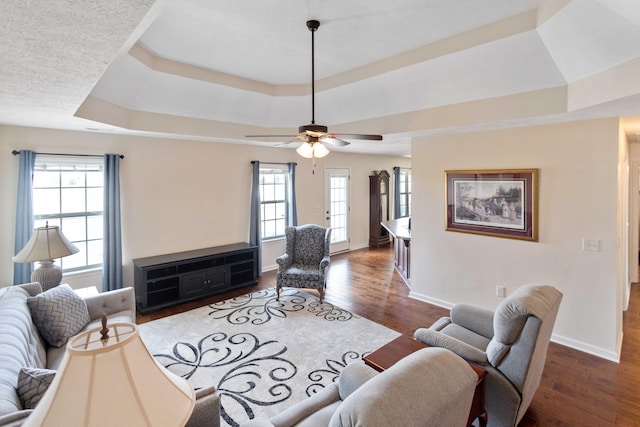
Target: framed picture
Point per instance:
(500, 203)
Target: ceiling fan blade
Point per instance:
(357, 136)
(284, 144)
(330, 139)
(271, 136)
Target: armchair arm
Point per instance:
(301, 410)
(206, 411)
(111, 302)
(324, 262)
(462, 349)
(284, 261)
(353, 376)
(476, 319)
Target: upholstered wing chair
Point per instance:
(510, 344)
(306, 258)
(431, 387)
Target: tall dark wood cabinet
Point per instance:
(378, 208)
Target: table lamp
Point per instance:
(113, 381)
(46, 244)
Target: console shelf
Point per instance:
(170, 279)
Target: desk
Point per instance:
(390, 353)
(401, 233)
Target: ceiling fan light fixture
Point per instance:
(319, 150)
(312, 150)
(305, 150)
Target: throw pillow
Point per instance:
(32, 384)
(59, 314)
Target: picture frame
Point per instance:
(497, 202)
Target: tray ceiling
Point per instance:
(216, 70)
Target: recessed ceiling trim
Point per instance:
(522, 106)
(517, 24)
(605, 86)
(195, 72)
(505, 28)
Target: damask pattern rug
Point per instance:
(262, 355)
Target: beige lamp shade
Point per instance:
(113, 382)
(45, 244)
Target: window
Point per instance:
(68, 192)
(404, 186)
(274, 200)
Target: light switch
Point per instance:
(590, 245)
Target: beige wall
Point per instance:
(578, 177)
(179, 195)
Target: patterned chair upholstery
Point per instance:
(306, 259)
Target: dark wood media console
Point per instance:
(164, 280)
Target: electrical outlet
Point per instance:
(500, 291)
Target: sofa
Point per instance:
(431, 387)
(32, 346)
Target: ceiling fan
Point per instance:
(313, 135)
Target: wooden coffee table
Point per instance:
(384, 357)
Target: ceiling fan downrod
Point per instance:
(313, 25)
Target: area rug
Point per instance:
(262, 355)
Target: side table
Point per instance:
(87, 292)
(387, 355)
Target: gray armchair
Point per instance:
(306, 259)
(510, 344)
(431, 387)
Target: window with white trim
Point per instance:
(405, 192)
(68, 192)
(274, 200)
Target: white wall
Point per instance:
(578, 181)
(180, 195)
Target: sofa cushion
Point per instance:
(32, 385)
(59, 313)
(20, 343)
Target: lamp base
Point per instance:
(48, 274)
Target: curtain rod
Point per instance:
(16, 152)
(274, 163)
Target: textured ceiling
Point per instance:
(218, 69)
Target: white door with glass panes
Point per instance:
(336, 207)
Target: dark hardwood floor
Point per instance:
(577, 389)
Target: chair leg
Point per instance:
(321, 291)
(277, 293)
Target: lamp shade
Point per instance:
(113, 382)
(46, 243)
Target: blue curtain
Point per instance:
(293, 210)
(396, 192)
(24, 214)
(254, 222)
(112, 239)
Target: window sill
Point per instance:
(273, 239)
